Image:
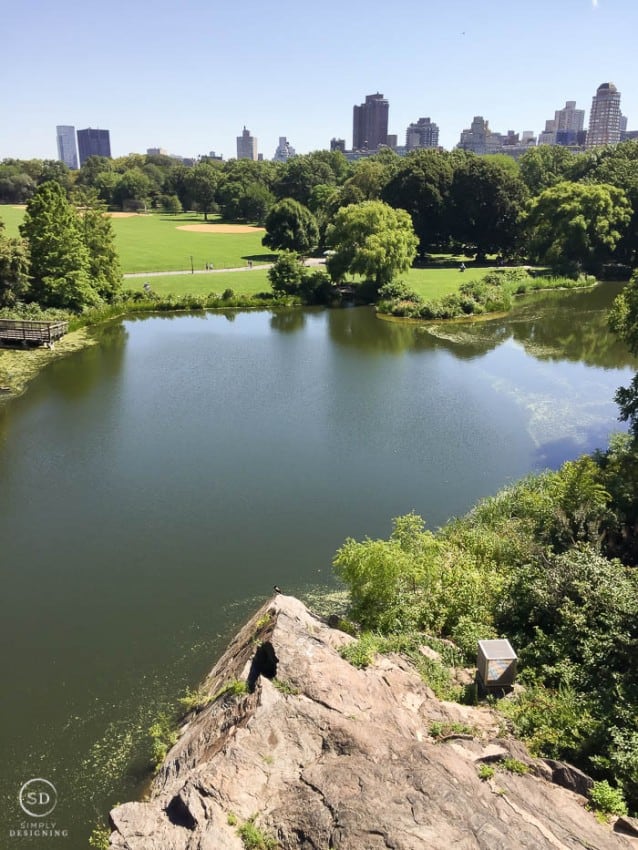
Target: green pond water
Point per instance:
(155, 487)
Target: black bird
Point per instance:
(277, 589)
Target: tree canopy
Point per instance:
(292, 227)
(14, 269)
(72, 258)
(577, 224)
(371, 239)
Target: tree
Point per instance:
(132, 189)
(421, 186)
(371, 239)
(292, 227)
(617, 165)
(487, 200)
(14, 269)
(60, 261)
(99, 239)
(544, 166)
(574, 225)
(623, 321)
(286, 274)
(202, 181)
(301, 174)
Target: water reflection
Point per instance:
(549, 325)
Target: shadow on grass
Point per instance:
(260, 258)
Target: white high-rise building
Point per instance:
(246, 145)
(569, 119)
(67, 145)
(284, 150)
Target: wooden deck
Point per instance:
(31, 332)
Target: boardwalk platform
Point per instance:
(26, 332)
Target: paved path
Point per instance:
(311, 261)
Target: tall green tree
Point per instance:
(14, 269)
(59, 258)
(421, 186)
(133, 189)
(98, 237)
(291, 227)
(545, 165)
(202, 181)
(371, 239)
(577, 225)
(487, 201)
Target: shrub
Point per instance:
(163, 737)
(607, 800)
(485, 772)
(253, 838)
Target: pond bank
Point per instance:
(18, 366)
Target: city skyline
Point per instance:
(512, 67)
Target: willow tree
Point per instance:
(371, 239)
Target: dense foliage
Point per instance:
(570, 210)
(370, 239)
(538, 564)
(72, 262)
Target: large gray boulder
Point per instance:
(335, 757)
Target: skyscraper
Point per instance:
(67, 148)
(370, 123)
(93, 143)
(604, 118)
(284, 150)
(423, 134)
(246, 145)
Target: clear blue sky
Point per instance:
(186, 76)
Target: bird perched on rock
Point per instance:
(277, 589)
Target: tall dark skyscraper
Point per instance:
(93, 143)
(370, 123)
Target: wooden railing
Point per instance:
(18, 330)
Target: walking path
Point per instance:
(311, 261)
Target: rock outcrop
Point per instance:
(329, 756)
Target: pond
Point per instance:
(155, 487)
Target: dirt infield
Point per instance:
(220, 228)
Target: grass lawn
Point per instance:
(12, 217)
(437, 281)
(149, 243)
(242, 283)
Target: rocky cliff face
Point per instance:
(328, 756)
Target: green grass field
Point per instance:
(437, 281)
(12, 218)
(242, 283)
(148, 243)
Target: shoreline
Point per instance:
(19, 366)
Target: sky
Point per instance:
(188, 75)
